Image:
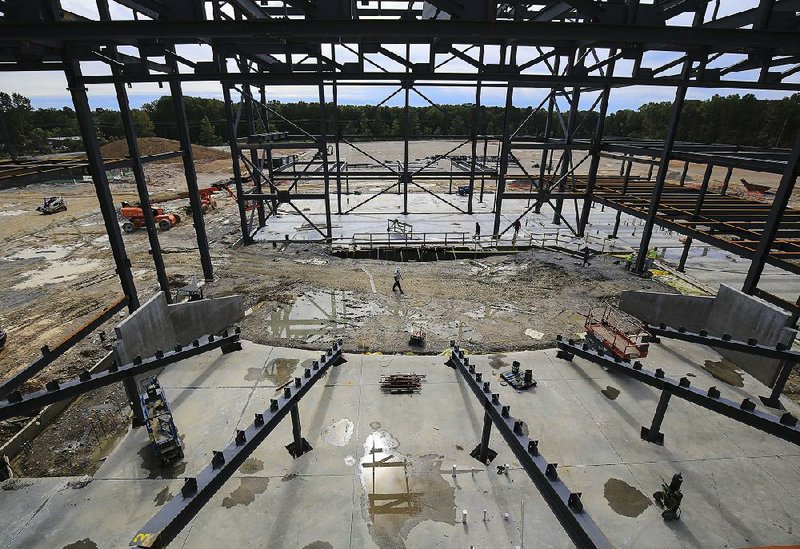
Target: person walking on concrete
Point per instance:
(477, 230)
(517, 226)
(397, 278)
(652, 255)
(586, 254)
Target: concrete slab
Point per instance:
(738, 482)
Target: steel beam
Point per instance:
(565, 504)
(48, 355)
(505, 149)
(784, 427)
(197, 491)
(18, 404)
(752, 347)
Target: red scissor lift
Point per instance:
(617, 333)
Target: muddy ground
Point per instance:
(57, 273)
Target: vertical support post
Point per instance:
(726, 181)
(669, 142)
(254, 157)
(650, 172)
(80, 99)
(237, 170)
(596, 144)
(483, 454)
(191, 175)
(297, 435)
(566, 153)
(505, 148)
(475, 124)
(268, 156)
(12, 151)
(654, 434)
(337, 136)
(779, 204)
(323, 142)
(484, 167)
(683, 174)
(774, 399)
(624, 190)
(406, 175)
(697, 208)
(545, 151)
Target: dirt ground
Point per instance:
(57, 273)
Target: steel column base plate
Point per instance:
(297, 452)
(772, 402)
(490, 454)
(231, 347)
(656, 437)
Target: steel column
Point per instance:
(323, 138)
(483, 453)
(237, 170)
(72, 71)
(475, 124)
(505, 147)
(337, 137)
(566, 153)
(653, 433)
(779, 204)
(191, 176)
(700, 197)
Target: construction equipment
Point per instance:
(134, 218)
(516, 379)
(618, 333)
(164, 439)
(417, 338)
(669, 497)
(53, 204)
(463, 190)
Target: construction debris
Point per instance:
(399, 384)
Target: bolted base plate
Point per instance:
(655, 438)
(772, 403)
(231, 347)
(490, 454)
(297, 452)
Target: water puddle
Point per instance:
(56, 273)
(724, 370)
(314, 315)
(318, 545)
(338, 433)
(85, 543)
(164, 496)
(245, 494)
(12, 213)
(624, 499)
(497, 362)
(50, 253)
(399, 492)
(251, 466)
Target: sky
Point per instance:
(48, 89)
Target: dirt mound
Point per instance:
(156, 145)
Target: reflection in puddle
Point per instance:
(314, 315)
(57, 272)
(401, 492)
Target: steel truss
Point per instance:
(19, 404)
(784, 427)
(565, 504)
(574, 49)
(162, 528)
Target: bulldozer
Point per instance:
(134, 218)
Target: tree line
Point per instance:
(733, 119)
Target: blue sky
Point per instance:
(49, 89)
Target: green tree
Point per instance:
(207, 134)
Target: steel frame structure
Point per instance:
(162, 528)
(784, 427)
(573, 48)
(565, 504)
(17, 404)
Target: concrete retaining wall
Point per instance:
(689, 311)
(744, 316)
(157, 325)
(730, 311)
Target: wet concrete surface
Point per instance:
(724, 370)
(246, 492)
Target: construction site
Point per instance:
(534, 329)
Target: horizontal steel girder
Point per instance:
(566, 505)
(784, 427)
(18, 404)
(162, 528)
(725, 342)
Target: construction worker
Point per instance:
(517, 225)
(629, 259)
(652, 255)
(587, 251)
(477, 230)
(397, 278)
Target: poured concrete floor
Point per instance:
(740, 484)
